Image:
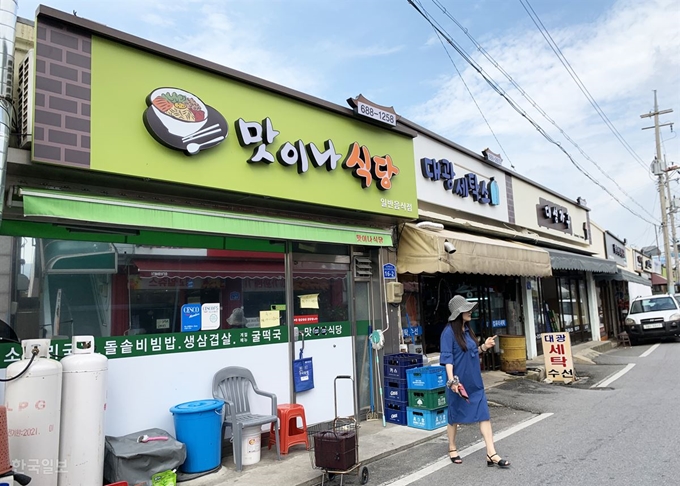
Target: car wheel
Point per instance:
(634, 342)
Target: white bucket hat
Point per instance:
(458, 305)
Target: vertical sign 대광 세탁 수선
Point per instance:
(559, 364)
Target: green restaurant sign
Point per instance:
(157, 344)
(148, 112)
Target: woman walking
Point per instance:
(460, 355)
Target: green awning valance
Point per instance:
(81, 208)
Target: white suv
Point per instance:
(653, 317)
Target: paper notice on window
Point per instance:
(309, 301)
(269, 318)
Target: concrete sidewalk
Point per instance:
(375, 441)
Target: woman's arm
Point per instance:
(452, 380)
(449, 372)
(488, 344)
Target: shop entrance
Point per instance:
(498, 311)
(564, 305)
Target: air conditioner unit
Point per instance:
(26, 100)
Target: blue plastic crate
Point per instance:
(395, 412)
(426, 377)
(426, 419)
(397, 364)
(396, 390)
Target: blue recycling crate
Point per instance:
(397, 364)
(395, 412)
(426, 377)
(396, 390)
(427, 419)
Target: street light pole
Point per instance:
(659, 169)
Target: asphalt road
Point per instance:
(625, 433)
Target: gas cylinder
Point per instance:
(33, 402)
(83, 402)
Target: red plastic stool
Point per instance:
(289, 433)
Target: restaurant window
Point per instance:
(320, 293)
(64, 288)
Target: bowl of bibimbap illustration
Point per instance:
(181, 112)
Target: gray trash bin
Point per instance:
(126, 459)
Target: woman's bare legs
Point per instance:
(451, 432)
(487, 434)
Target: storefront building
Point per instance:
(614, 291)
(191, 217)
(521, 250)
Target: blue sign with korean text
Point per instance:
(389, 271)
(191, 317)
(498, 323)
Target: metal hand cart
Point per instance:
(335, 449)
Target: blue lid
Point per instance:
(198, 406)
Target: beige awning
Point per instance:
(422, 251)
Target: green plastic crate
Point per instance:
(427, 399)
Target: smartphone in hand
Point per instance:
(462, 393)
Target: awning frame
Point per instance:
(64, 206)
(424, 251)
(55, 264)
(625, 276)
(564, 260)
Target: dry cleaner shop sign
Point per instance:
(180, 120)
(468, 185)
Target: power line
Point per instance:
(421, 10)
(563, 59)
(534, 103)
(475, 101)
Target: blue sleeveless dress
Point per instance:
(466, 366)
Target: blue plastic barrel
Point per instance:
(198, 425)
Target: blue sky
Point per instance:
(620, 49)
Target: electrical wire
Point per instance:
(474, 100)
(421, 10)
(34, 353)
(535, 104)
(563, 59)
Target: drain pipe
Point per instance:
(8, 23)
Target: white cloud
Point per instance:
(156, 19)
(619, 58)
(231, 37)
(367, 52)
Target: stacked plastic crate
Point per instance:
(426, 397)
(396, 391)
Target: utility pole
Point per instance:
(659, 169)
(671, 214)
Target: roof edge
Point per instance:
(191, 60)
(454, 145)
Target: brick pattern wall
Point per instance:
(62, 96)
(510, 198)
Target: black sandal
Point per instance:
(457, 459)
(502, 463)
